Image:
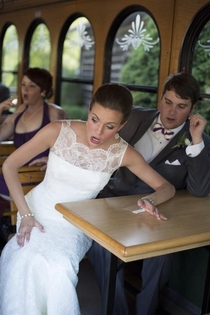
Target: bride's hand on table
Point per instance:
(24, 231)
(151, 209)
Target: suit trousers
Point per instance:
(155, 273)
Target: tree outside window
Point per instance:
(201, 71)
(10, 55)
(40, 48)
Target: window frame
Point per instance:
(191, 37)
(27, 44)
(4, 29)
(109, 44)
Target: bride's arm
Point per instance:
(43, 140)
(163, 189)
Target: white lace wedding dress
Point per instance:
(40, 278)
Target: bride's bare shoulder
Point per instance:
(78, 125)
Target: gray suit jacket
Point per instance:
(193, 174)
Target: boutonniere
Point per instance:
(182, 141)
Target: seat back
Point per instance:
(6, 148)
(29, 176)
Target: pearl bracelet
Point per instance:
(148, 199)
(26, 215)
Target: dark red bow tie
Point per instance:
(159, 128)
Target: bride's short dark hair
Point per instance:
(114, 96)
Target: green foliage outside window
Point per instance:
(10, 59)
(142, 66)
(201, 71)
(40, 48)
(77, 68)
(72, 100)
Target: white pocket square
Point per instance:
(176, 162)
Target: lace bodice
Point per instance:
(74, 172)
(80, 155)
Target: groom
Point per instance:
(162, 137)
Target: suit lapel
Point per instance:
(143, 127)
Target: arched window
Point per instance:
(38, 46)
(75, 67)
(10, 58)
(195, 58)
(133, 53)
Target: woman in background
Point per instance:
(32, 115)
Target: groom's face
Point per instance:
(174, 110)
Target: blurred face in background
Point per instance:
(31, 92)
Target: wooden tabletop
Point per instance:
(130, 236)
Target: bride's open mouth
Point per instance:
(94, 140)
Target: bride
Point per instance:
(39, 265)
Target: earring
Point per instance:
(117, 136)
(43, 94)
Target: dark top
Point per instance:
(21, 138)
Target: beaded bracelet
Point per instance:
(26, 215)
(148, 199)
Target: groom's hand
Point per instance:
(197, 126)
(42, 162)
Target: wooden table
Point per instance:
(129, 236)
